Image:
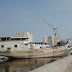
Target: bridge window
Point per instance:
(3, 39)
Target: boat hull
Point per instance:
(37, 53)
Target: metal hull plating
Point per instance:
(37, 53)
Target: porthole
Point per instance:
(15, 45)
(2, 46)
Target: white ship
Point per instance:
(21, 46)
(19, 49)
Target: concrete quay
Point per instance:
(61, 65)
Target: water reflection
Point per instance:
(23, 65)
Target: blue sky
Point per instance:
(27, 15)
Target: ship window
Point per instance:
(15, 45)
(45, 43)
(3, 39)
(41, 43)
(26, 44)
(2, 46)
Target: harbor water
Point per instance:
(23, 65)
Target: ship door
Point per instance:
(8, 50)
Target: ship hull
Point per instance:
(37, 53)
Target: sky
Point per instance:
(28, 16)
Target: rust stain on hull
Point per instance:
(36, 53)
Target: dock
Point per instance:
(61, 65)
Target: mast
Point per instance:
(55, 32)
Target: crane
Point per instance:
(53, 28)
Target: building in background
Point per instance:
(51, 40)
(45, 39)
